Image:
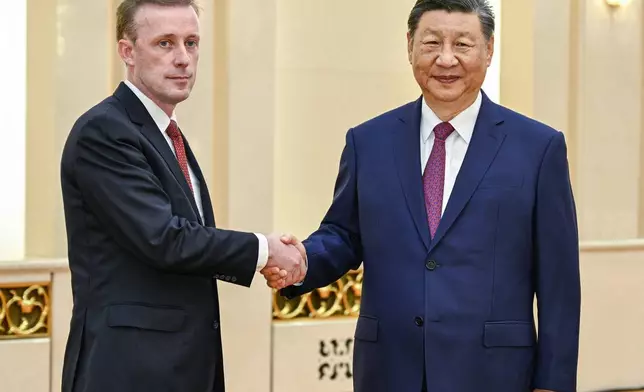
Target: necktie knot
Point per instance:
(173, 130)
(443, 130)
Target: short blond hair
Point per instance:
(125, 26)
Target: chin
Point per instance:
(179, 96)
(446, 96)
(445, 93)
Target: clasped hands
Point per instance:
(287, 262)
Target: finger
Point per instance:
(270, 271)
(272, 277)
(272, 285)
(274, 273)
(276, 277)
(275, 283)
(289, 239)
(300, 248)
(301, 274)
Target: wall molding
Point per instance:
(612, 245)
(33, 265)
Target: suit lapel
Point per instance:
(206, 204)
(139, 115)
(484, 145)
(406, 146)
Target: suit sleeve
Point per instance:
(119, 187)
(335, 248)
(557, 273)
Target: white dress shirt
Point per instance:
(162, 121)
(455, 145)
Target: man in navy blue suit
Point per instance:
(461, 212)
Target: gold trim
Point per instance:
(341, 298)
(24, 310)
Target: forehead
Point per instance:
(450, 23)
(152, 19)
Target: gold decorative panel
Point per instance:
(24, 310)
(341, 298)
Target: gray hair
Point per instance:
(480, 7)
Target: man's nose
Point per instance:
(181, 58)
(446, 57)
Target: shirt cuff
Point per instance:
(262, 255)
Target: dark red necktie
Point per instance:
(434, 176)
(180, 150)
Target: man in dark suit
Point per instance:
(144, 251)
(461, 211)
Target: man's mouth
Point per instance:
(447, 79)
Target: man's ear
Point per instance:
(490, 50)
(125, 49)
(410, 46)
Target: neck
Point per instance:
(168, 109)
(446, 111)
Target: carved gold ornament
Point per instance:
(24, 311)
(341, 298)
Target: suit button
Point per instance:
(228, 278)
(234, 279)
(215, 324)
(419, 321)
(431, 265)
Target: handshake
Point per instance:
(287, 262)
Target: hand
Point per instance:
(278, 278)
(290, 239)
(285, 262)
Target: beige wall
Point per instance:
(335, 69)
(279, 85)
(578, 65)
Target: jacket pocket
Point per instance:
(509, 334)
(146, 317)
(367, 328)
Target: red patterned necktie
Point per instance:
(434, 176)
(180, 150)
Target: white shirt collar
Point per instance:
(158, 115)
(463, 123)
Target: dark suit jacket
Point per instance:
(146, 314)
(458, 307)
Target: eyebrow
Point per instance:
(436, 32)
(172, 35)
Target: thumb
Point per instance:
(289, 239)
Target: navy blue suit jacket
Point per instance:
(458, 307)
